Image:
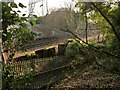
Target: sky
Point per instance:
(52, 4)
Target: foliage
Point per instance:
(112, 63)
(7, 79)
(114, 16)
(32, 22)
(114, 47)
(15, 34)
(103, 12)
(15, 31)
(25, 79)
(10, 83)
(72, 49)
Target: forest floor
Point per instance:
(92, 77)
(80, 73)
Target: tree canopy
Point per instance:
(15, 30)
(104, 12)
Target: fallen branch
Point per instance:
(93, 47)
(98, 50)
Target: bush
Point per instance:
(72, 49)
(7, 78)
(10, 83)
(115, 47)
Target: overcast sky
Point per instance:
(52, 4)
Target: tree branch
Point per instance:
(92, 47)
(110, 23)
(96, 49)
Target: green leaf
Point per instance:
(35, 16)
(7, 9)
(32, 22)
(9, 36)
(23, 19)
(21, 5)
(13, 5)
(23, 25)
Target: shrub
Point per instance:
(72, 49)
(10, 83)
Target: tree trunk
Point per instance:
(86, 28)
(106, 18)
